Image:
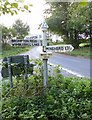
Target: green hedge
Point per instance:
(63, 99)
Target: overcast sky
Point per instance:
(33, 19)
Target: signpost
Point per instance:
(47, 52)
(23, 61)
(44, 55)
(60, 48)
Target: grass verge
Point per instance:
(11, 51)
(83, 52)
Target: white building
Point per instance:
(56, 37)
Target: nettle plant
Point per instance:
(64, 98)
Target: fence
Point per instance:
(16, 66)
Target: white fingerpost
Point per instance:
(60, 48)
(44, 28)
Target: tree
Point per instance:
(12, 32)
(7, 7)
(4, 33)
(21, 29)
(7, 33)
(12, 8)
(79, 22)
(58, 20)
(70, 20)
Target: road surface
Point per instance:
(71, 66)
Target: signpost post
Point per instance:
(26, 72)
(44, 28)
(47, 52)
(10, 72)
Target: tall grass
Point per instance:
(8, 50)
(83, 51)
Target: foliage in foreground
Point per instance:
(63, 99)
(7, 7)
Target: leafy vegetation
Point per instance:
(18, 30)
(63, 99)
(7, 7)
(71, 20)
(21, 29)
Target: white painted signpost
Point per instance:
(60, 48)
(47, 52)
(44, 54)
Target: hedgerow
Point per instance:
(67, 98)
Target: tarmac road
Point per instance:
(71, 66)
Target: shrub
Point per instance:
(6, 46)
(64, 99)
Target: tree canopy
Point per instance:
(21, 29)
(18, 30)
(70, 20)
(12, 8)
(7, 7)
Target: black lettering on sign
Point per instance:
(52, 48)
(62, 48)
(47, 48)
(67, 47)
(57, 48)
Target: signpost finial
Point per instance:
(44, 26)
